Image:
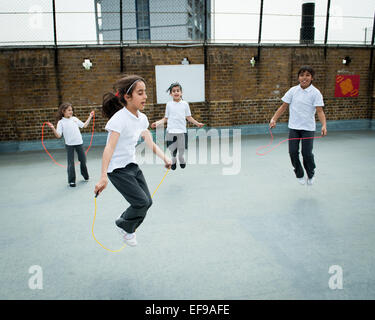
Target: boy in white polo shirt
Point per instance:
(303, 100)
(68, 126)
(125, 126)
(177, 112)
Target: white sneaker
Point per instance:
(301, 181)
(129, 238)
(310, 182)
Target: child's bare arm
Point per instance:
(88, 119)
(107, 155)
(193, 121)
(57, 135)
(146, 135)
(159, 122)
(278, 114)
(322, 119)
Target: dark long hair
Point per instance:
(61, 110)
(114, 102)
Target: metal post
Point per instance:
(121, 39)
(371, 71)
(56, 64)
(205, 21)
(205, 35)
(326, 32)
(54, 23)
(373, 32)
(213, 20)
(260, 22)
(207, 70)
(260, 28)
(97, 21)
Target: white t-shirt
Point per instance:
(176, 113)
(302, 107)
(69, 128)
(130, 128)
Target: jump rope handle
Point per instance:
(96, 195)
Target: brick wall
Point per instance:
(236, 93)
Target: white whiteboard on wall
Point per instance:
(191, 78)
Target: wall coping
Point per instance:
(182, 45)
(249, 129)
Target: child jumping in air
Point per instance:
(303, 100)
(176, 113)
(68, 126)
(125, 126)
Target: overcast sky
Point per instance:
(232, 21)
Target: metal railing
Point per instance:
(119, 22)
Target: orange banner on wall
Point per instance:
(347, 86)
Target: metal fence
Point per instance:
(106, 22)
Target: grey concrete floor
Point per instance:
(254, 235)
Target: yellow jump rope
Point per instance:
(93, 223)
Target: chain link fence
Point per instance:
(106, 22)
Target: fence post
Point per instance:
(371, 70)
(260, 28)
(207, 70)
(121, 39)
(56, 53)
(327, 27)
(205, 37)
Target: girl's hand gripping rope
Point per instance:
(50, 125)
(272, 124)
(167, 162)
(100, 186)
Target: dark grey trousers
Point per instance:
(307, 155)
(177, 142)
(130, 182)
(82, 160)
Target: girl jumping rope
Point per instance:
(68, 126)
(303, 100)
(126, 124)
(176, 113)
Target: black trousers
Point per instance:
(82, 159)
(307, 155)
(177, 142)
(130, 182)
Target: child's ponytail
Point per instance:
(114, 102)
(111, 104)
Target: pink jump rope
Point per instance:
(263, 147)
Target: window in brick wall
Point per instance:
(142, 8)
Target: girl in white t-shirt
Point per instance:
(68, 126)
(176, 113)
(303, 101)
(125, 126)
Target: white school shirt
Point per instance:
(302, 107)
(69, 128)
(176, 113)
(130, 128)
